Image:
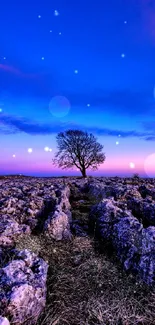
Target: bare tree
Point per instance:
(80, 149)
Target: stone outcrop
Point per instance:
(123, 218)
(23, 283)
(147, 258)
(10, 230)
(4, 321)
(133, 244)
(57, 225)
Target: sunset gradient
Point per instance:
(89, 67)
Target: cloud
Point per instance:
(15, 71)
(150, 138)
(14, 124)
(123, 101)
(149, 125)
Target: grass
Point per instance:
(88, 288)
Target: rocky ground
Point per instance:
(77, 251)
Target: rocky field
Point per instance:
(77, 251)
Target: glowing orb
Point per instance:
(117, 142)
(56, 13)
(60, 33)
(59, 106)
(132, 165)
(50, 31)
(1, 110)
(119, 135)
(29, 150)
(13, 156)
(149, 165)
(46, 148)
(4, 58)
(76, 71)
(39, 16)
(43, 58)
(125, 22)
(88, 105)
(123, 55)
(50, 150)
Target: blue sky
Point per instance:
(100, 57)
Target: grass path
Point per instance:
(85, 287)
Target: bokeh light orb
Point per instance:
(149, 165)
(132, 165)
(56, 13)
(117, 143)
(14, 156)
(59, 106)
(1, 110)
(29, 150)
(46, 149)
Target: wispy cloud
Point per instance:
(15, 71)
(150, 138)
(14, 124)
(126, 101)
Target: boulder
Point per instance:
(127, 240)
(4, 321)
(102, 218)
(147, 260)
(10, 230)
(57, 225)
(23, 283)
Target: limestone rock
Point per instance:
(24, 287)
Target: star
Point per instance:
(132, 165)
(46, 148)
(123, 55)
(76, 71)
(56, 13)
(29, 150)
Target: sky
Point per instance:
(87, 65)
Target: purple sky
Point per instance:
(84, 65)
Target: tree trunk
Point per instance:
(83, 171)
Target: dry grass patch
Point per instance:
(86, 288)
